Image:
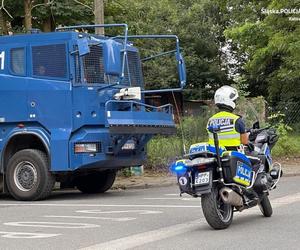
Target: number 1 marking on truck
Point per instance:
(2, 58)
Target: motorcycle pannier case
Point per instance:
(237, 168)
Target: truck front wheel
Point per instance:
(96, 182)
(27, 175)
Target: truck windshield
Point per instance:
(94, 70)
(93, 65)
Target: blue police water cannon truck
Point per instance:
(72, 109)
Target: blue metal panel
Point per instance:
(101, 159)
(83, 46)
(41, 37)
(49, 103)
(88, 105)
(139, 118)
(112, 52)
(59, 145)
(131, 113)
(13, 99)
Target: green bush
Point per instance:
(289, 142)
(163, 150)
(287, 146)
(194, 129)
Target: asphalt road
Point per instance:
(155, 218)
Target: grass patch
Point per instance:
(287, 146)
(164, 150)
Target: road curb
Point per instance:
(144, 185)
(148, 185)
(290, 174)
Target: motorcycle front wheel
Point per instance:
(265, 206)
(217, 214)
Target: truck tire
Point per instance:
(96, 182)
(265, 206)
(27, 175)
(217, 214)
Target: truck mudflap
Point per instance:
(131, 117)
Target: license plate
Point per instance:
(129, 145)
(202, 178)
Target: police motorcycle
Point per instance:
(230, 181)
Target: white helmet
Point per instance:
(226, 95)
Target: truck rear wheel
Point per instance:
(217, 214)
(96, 182)
(27, 175)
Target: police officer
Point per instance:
(232, 127)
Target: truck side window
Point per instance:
(17, 61)
(49, 61)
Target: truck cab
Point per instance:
(72, 110)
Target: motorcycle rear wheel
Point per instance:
(265, 206)
(217, 214)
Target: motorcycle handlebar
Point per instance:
(256, 130)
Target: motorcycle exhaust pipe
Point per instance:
(231, 197)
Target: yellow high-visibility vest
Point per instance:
(228, 136)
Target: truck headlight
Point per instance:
(86, 147)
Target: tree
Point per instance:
(46, 14)
(200, 28)
(268, 48)
(99, 15)
(27, 14)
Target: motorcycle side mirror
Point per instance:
(255, 125)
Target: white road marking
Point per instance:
(119, 212)
(172, 194)
(96, 205)
(288, 198)
(285, 200)
(91, 217)
(171, 231)
(50, 224)
(276, 203)
(147, 237)
(21, 235)
(172, 198)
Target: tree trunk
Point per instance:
(47, 22)
(27, 14)
(99, 15)
(47, 25)
(3, 24)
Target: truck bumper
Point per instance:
(111, 150)
(131, 117)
